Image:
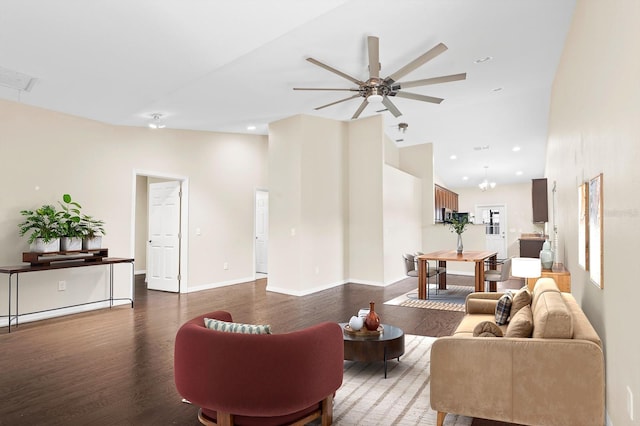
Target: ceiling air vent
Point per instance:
(16, 80)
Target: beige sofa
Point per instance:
(555, 377)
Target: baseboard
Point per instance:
(219, 284)
(39, 316)
(140, 272)
(365, 282)
(305, 292)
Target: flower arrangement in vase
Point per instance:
(458, 224)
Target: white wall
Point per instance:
(307, 205)
(94, 162)
(353, 216)
(594, 128)
(417, 160)
(402, 213)
(366, 244)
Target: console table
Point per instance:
(60, 261)
(559, 273)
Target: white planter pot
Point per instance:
(91, 243)
(70, 243)
(40, 246)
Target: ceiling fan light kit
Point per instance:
(156, 121)
(376, 90)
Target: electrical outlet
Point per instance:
(630, 402)
(225, 266)
(317, 270)
(62, 285)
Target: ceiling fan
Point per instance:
(377, 89)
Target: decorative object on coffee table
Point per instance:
(372, 321)
(356, 323)
(363, 332)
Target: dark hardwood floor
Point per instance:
(115, 367)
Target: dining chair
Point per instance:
(411, 269)
(499, 275)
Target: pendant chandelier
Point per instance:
(485, 184)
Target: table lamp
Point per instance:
(526, 267)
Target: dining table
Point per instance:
(444, 256)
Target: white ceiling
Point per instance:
(221, 65)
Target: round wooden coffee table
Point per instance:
(387, 345)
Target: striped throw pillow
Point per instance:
(234, 327)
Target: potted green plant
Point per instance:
(458, 223)
(92, 232)
(43, 224)
(70, 224)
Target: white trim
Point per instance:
(219, 284)
(304, 292)
(140, 272)
(38, 316)
(365, 282)
(184, 221)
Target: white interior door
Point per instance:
(262, 230)
(494, 219)
(163, 268)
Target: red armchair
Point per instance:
(259, 379)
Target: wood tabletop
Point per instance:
(452, 255)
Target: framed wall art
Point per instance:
(596, 209)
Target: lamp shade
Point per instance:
(526, 267)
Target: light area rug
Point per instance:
(451, 299)
(367, 398)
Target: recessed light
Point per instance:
(453, 157)
(465, 177)
(515, 149)
(481, 60)
(251, 127)
(519, 173)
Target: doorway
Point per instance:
(494, 219)
(160, 234)
(261, 231)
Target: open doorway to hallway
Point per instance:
(261, 233)
(160, 234)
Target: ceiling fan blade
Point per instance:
(374, 56)
(428, 81)
(391, 107)
(335, 71)
(418, 97)
(337, 102)
(324, 88)
(419, 61)
(361, 108)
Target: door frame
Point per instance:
(503, 223)
(255, 208)
(184, 220)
